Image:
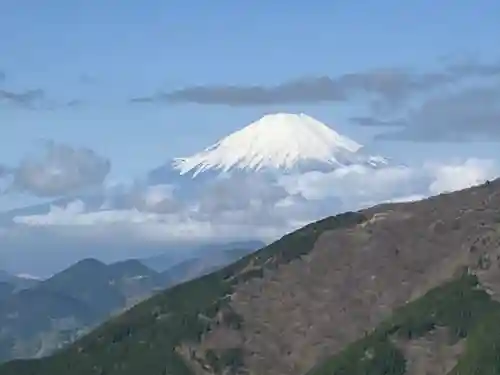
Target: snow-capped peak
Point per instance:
(28, 276)
(277, 141)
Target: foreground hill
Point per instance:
(395, 289)
(453, 329)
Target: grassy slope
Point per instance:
(143, 339)
(459, 304)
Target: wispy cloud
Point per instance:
(74, 103)
(472, 114)
(391, 85)
(26, 99)
(32, 98)
(374, 121)
(86, 79)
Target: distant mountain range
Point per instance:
(17, 282)
(6, 289)
(210, 255)
(38, 317)
(198, 266)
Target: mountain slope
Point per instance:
(226, 252)
(35, 321)
(88, 281)
(199, 266)
(303, 299)
(16, 281)
(135, 281)
(6, 289)
(5, 276)
(453, 329)
(276, 143)
(279, 141)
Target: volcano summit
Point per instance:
(279, 143)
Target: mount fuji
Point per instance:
(246, 177)
(276, 144)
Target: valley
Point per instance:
(46, 315)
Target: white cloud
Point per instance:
(250, 208)
(59, 170)
(409, 198)
(28, 276)
(350, 182)
(157, 198)
(401, 199)
(67, 216)
(457, 176)
(153, 195)
(148, 225)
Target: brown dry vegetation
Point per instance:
(303, 311)
(432, 354)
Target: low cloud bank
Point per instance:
(254, 207)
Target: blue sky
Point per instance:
(106, 52)
(102, 54)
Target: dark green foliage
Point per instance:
(373, 355)
(459, 305)
(143, 340)
(482, 355)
